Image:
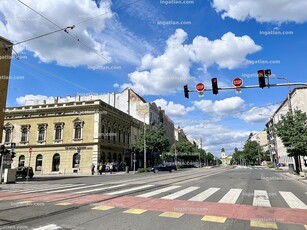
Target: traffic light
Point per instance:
(261, 78)
(186, 91)
(215, 88)
(267, 72)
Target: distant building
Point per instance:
(262, 139)
(226, 159)
(296, 101)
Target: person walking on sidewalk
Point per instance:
(93, 168)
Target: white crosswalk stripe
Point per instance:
(261, 198)
(29, 188)
(48, 227)
(292, 200)
(130, 189)
(204, 195)
(100, 189)
(159, 191)
(231, 197)
(180, 193)
(76, 188)
(51, 188)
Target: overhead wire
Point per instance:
(72, 27)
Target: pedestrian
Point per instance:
(100, 168)
(93, 168)
(111, 168)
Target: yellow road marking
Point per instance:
(171, 214)
(217, 219)
(135, 211)
(25, 202)
(263, 224)
(103, 208)
(63, 203)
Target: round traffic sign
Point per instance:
(200, 87)
(237, 82)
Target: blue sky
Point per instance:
(155, 48)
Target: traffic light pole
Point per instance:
(257, 86)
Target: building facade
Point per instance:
(69, 137)
(296, 100)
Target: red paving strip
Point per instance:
(234, 211)
(52, 197)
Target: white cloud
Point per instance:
(32, 99)
(104, 34)
(164, 74)
(275, 11)
(222, 107)
(173, 109)
(215, 137)
(258, 114)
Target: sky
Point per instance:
(156, 47)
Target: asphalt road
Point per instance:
(216, 198)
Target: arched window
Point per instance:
(109, 131)
(21, 161)
(102, 132)
(39, 162)
(76, 160)
(109, 157)
(56, 162)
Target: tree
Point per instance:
(156, 141)
(292, 130)
(252, 152)
(210, 157)
(237, 156)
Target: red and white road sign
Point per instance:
(200, 87)
(237, 82)
(30, 150)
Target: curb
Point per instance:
(297, 178)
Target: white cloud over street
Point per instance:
(275, 11)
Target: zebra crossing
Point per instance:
(172, 192)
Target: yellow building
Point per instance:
(226, 160)
(68, 137)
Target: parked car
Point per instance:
(23, 171)
(164, 167)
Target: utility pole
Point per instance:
(201, 148)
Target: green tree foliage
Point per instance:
(251, 152)
(156, 140)
(292, 130)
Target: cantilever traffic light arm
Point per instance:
(257, 86)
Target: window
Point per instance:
(109, 131)
(78, 125)
(39, 162)
(58, 132)
(8, 135)
(41, 137)
(25, 133)
(102, 132)
(56, 162)
(78, 131)
(76, 160)
(21, 161)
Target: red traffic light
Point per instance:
(260, 73)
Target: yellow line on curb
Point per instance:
(135, 211)
(217, 219)
(263, 224)
(63, 203)
(103, 208)
(171, 214)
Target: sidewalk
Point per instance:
(75, 174)
(286, 172)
